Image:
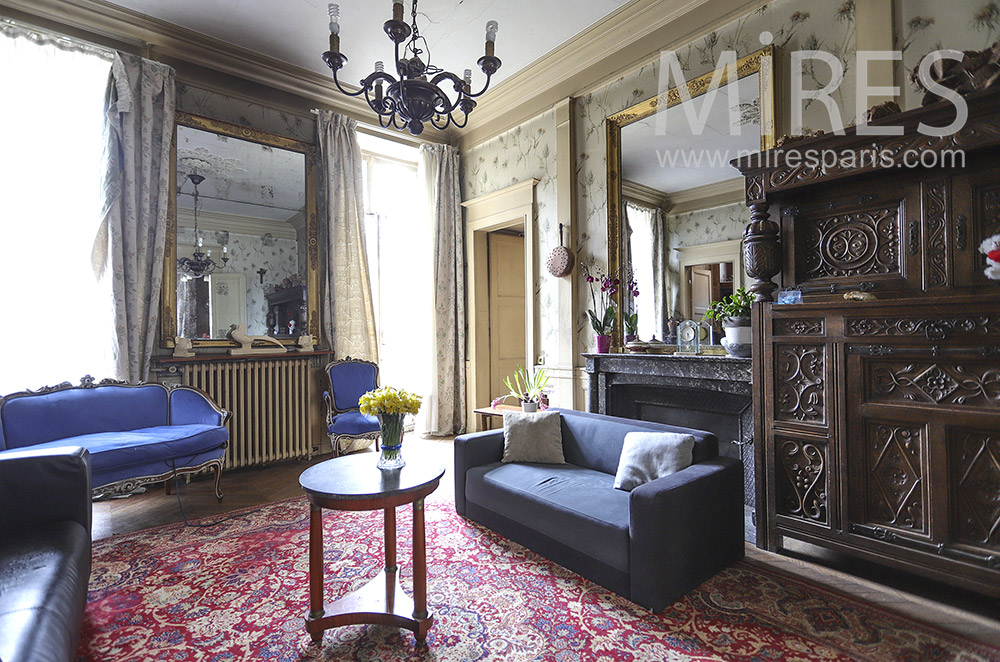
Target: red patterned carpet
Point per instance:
(238, 591)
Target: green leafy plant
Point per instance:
(602, 313)
(528, 383)
(737, 304)
(631, 323)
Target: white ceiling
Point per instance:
(296, 31)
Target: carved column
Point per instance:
(761, 251)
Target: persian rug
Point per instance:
(239, 591)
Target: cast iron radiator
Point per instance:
(269, 401)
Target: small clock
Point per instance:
(688, 336)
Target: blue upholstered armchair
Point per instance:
(349, 429)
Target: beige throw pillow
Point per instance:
(647, 456)
(532, 437)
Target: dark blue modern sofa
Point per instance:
(651, 545)
(135, 433)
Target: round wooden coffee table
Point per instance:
(355, 483)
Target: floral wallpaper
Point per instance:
(929, 25)
(248, 254)
(525, 152)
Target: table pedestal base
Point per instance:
(381, 602)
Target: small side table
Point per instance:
(355, 483)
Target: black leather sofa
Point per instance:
(45, 515)
(651, 545)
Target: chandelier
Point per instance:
(412, 100)
(199, 264)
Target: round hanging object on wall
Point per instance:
(560, 261)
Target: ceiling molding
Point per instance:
(214, 221)
(646, 196)
(705, 197)
(631, 35)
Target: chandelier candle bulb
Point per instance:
(334, 10)
(397, 10)
(491, 36)
(467, 77)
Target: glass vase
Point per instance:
(391, 427)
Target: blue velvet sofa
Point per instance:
(44, 552)
(651, 545)
(135, 433)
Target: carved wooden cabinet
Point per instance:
(878, 422)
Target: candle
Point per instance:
(491, 36)
(379, 68)
(467, 77)
(334, 11)
(397, 10)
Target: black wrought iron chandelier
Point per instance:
(199, 264)
(412, 100)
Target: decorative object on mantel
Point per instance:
(882, 110)
(239, 334)
(688, 337)
(306, 343)
(637, 346)
(602, 314)
(978, 70)
(526, 387)
(390, 405)
(416, 97)
(183, 348)
(788, 139)
(858, 295)
(560, 262)
(991, 249)
(200, 264)
(734, 313)
(655, 346)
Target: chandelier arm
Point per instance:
(340, 87)
(486, 86)
(465, 120)
(442, 127)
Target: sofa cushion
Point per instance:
(158, 445)
(647, 456)
(578, 507)
(36, 419)
(532, 437)
(43, 588)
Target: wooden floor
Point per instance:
(966, 614)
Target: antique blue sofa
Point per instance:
(135, 433)
(45, 549)
(651, 545)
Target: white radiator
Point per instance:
(269, 401)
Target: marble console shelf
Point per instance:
(702, 392)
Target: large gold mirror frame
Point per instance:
(761, 62)
(168, 290)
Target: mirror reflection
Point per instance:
(673, 158)
(241, 237)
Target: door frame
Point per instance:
(509, 207)
(719, 251)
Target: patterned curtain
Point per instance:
(663, 303)
(138, 130)
(445, 406)
(348, 311)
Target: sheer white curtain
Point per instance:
(640, 220)
(57, 317)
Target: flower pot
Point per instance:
(391, 426)
(739, 339)
(602, 344)
(529, 406)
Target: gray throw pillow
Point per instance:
(647, 456)
(532, 437)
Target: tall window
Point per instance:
(398, 240)
(56, 324)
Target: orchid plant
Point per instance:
(602, 288)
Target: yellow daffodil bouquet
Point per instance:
(390, 405)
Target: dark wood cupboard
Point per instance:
(877, 423)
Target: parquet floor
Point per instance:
(952, 609)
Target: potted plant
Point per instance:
(527, 386)
(734, 313)
(602, 311)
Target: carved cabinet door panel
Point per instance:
(976, 216)
(869, 235)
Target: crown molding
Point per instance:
(627, 37)
(213, 221)
(645, 195)
(710, 195)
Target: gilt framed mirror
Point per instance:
(662, 162)
(242, 245)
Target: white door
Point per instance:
(506, 292)
(227, 302)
